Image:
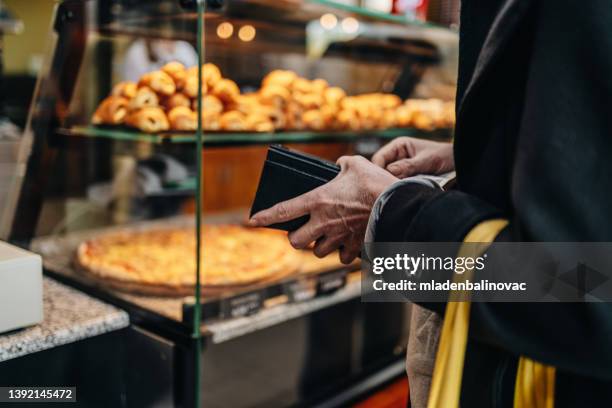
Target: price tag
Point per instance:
(331, 282)
(241, 305)
(300, 290)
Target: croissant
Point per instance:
(319, 85)
(294, 116)
(182, 118)
(246, 103)
(403, 116)
(211, 74)
(309, 101)
(190, 86)
(210, 121)
(313, 119)
(334, 95)
(126, 89)
(226, 90)
(144, 97)
(148, 119)
(275, 95)
(111, 111)
(329, 113)
(158, 81)
(177, 71)
(279, 77)
(391, 101)
(389, 119)
(259, 123)
(348, 119)
(210, 104)
(232, 120)
(301, 85)
(178, 99)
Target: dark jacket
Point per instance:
(533, 144)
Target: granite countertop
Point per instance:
(69, 316)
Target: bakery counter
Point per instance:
(69, 316)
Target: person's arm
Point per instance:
(561, 189)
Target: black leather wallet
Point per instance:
(287, 174)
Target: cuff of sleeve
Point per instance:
(448, 217)
(399, 210)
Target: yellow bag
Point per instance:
(535, 382)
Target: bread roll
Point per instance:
(177, 99)
(125, 89)
(111, 111)
(182, 118)
(158, 81)
(148, 119)
(145, 97)
(226, 90)
(232, 121)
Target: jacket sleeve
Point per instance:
(560, 189)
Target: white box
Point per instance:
(21, 297)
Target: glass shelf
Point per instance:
(165, 17)
(374, 15)
(253, 138)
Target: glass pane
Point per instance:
(104, 198)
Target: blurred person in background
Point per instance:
(146, 55)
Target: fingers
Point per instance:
(349, 253)
(407, 167)
(326, 246)
(385, 155)
(285, 211)
(397, 149)
(302, 237)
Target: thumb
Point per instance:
(407, 167)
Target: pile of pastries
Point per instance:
(167, 100)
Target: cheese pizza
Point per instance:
(163, 261)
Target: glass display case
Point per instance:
(145, 142)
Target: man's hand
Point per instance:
(407, 156)
(339, 210)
